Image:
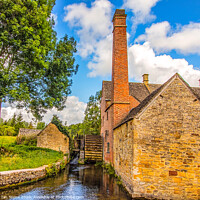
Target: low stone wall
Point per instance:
(22, 176)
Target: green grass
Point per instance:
(14, 156)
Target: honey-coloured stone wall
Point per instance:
(166, 146)
(123, 154)
(51, 138)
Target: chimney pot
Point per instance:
(146, 79)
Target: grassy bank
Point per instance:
(14, 156)
(6, 140)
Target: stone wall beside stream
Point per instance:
(22, 176)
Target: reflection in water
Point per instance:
(76, 182)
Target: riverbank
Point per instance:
(15, 178)
(21, 164)
(14, 157)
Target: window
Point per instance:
(108, 147)
(106, 135)
(102, 122)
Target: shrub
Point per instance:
(28, 141)
(51, 170)
(110, 170)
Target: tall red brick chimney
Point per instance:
(120, 85)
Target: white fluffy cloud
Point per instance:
(72, 114)
(142, 59)
(8, 111)
(93, 27)
(186, 39)
(141, 10)
(102, 60)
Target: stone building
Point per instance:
(151, 132)
(119, 96)
(25, 132)
(51, 138)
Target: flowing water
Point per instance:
(82, 182)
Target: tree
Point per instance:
(30, 126)
(55, 120)
(75, 129)
(92, 120)
(41, 125)
(13, 120)
(6, 130)
(35, 71)
(19, 123)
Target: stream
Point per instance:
(82, 182)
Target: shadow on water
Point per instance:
(84, 182)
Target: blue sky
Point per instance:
(177, 13)
(163, 38)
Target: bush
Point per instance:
(28, 141)
(110, 170)
(51, 170)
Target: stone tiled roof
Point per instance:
(147, 100)
(153, 87)
(138, 90)
(25, 132)
(107, 87)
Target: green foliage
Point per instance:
(29, 141)
(74, 130)
(110, 170)
(16, 122)
(14, 156)
(55, 120)
(99, 163)
(7, 140)
(30, 126)
(1, 121)
(19, 123)
(62, 165)
(35, 70)
(51, 170)
(41, 125)
(92, 120)
(7, 130)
